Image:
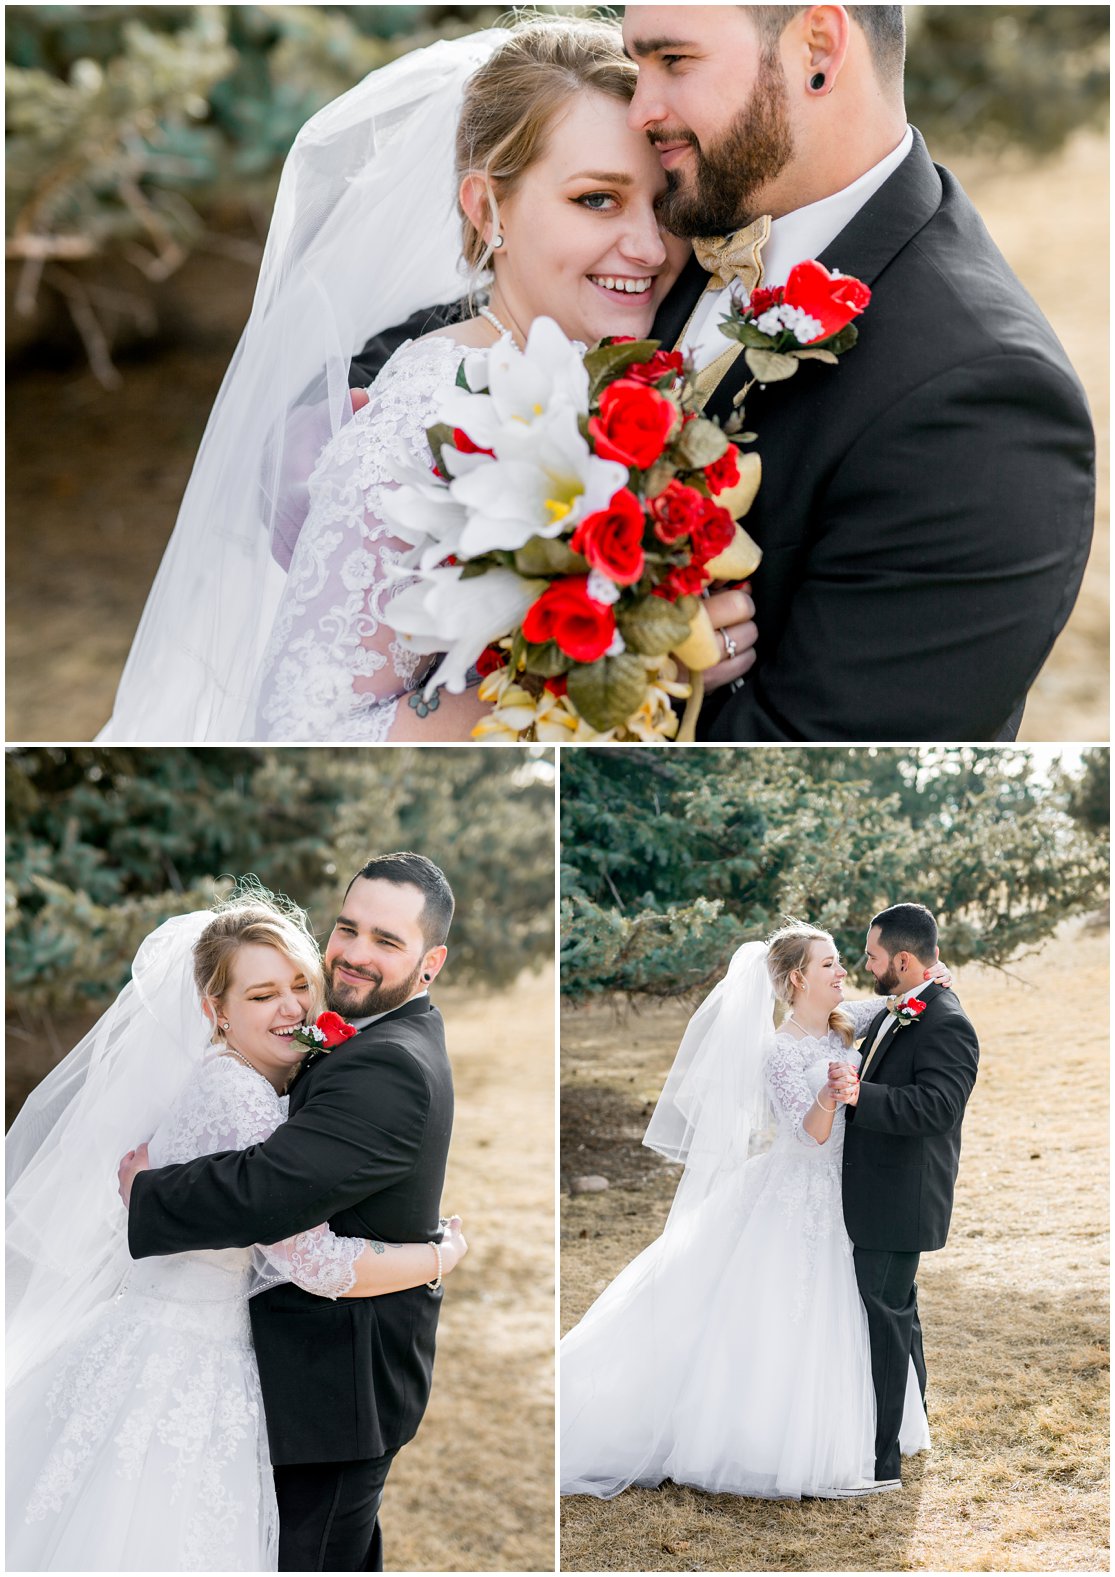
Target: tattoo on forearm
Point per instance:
(419, 704)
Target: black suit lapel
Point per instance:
(929, 996)
(868, 243)
(411, 1009)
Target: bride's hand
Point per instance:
(135, 1161)
(940, 974)
(453, 1245)
(731, 612)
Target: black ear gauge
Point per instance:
(817, 81)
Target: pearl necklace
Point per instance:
(486, 312)
(231, 1051)
(801, 1026)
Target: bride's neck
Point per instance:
(814, 1020)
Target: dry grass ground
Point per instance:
(475, 1490)
(94, 478)
(1014, 1308)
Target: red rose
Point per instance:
(724, 472)
(685, 581)
(490, 659)
(712, 533)
(833, 299)
(557, 685)
(335, 1030)
(582, 627)
(915, 1005)
(464, 444)
(761, 300)
(675, 510)
(634, 424)
(612, 539)
(664, 363)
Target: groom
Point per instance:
(344, 1383)
(926, 506)
(902, 1150)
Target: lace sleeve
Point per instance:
(862, 1013)
(318, 1261)
(333, 669)
(789, 1092)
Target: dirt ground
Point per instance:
(95, 477)
(1015, 1308)
(474, 1491)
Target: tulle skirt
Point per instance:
(732, 1354)
(141, 1446)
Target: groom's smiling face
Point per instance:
(377, 955)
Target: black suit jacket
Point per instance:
(926, 506)
(364, 1148)
(902, 1138)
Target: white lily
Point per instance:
(547, 489)
(443, 613)
(524, 387)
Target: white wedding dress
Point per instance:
(140, 1445)
(733, 1356)
(333, 669)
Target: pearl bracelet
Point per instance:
(435, 1285)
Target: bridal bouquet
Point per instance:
(579, 505)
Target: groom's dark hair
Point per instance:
(883, 25)
(907, 928)
(415, 870)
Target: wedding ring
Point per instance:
(729, 646)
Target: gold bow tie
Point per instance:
(735, 256)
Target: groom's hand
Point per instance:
(843, 1083)
(732, 611)
(135, 1161)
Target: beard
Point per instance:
(730, 173)
(886, 985)
(351, 1002)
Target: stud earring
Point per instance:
(817, 81)
(497, 242)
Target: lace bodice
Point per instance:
(229, 1107)
(797, 1067)
(333, 669)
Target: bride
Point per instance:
(733, 1354)
(266, 620)
(135, 1420)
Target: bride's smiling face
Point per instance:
(581, 238)
(268, 997)
(824, 975)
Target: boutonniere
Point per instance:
(329, 1030)
(809, 318)
(907, 1012)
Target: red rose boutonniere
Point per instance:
(907, 1012)
(329, 1031)
(809, 318)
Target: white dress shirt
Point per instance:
(794, 237)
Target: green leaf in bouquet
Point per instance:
(605, 362)
(816, 353)
(461, 380)
(700, 442)
(547, 661)
(653, 626)
(607, 691)
(475, 567)
(548, 556)
(438, 436)
(841, 341)
(660, 475)
(746, 334)
(770, 367)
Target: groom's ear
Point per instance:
(431, 964)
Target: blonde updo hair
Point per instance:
(787, 955)
(257, 916)
(511, 103)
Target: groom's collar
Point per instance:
(374, 1018)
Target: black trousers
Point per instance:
(890, 1296)
(329, 1515)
